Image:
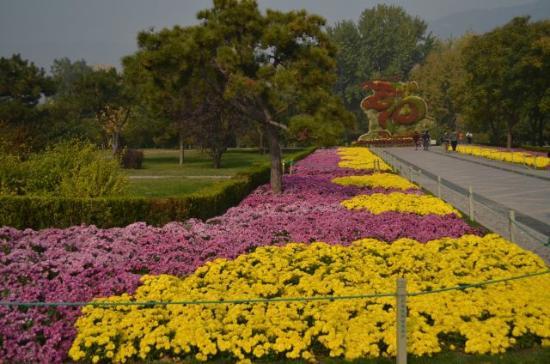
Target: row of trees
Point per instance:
(246, 74)
(239, 69)
(74, 101)
(386, 43)
(243, 68)
(496, 83)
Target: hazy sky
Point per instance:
(102, 31)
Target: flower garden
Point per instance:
(339, 229)
(533, 159)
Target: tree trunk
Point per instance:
(494, 136)
(275, 154)
(181, 148)
(217, 157)
(540, 132)
(509, 138)
(512, 121)
(115, 143)
(262, 151)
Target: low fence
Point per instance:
(523, 230)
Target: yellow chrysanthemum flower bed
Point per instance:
(486, 319)
(386, 180)
(360, 158)
(505, 156)
(378, 203)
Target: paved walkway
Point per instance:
(496, 191)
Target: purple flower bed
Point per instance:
(323, 161)
(80, 263)
(313, 189)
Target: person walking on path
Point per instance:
(454, 140)
(416, 138)
(469, 137)
(426, 139)
(445, 142)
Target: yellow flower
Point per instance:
(360, 158)
(385, 180)
(537, 161)
(487, 318)
(378, 203)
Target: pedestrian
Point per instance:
(454, 140)
(416, 138)
(426, 139)
(445, 142)
(469, 137)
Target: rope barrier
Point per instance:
(265, 300)
(198, 302)
(480, 284)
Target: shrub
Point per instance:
(132, 159)
(68, 169)
(12, 178)
(45, 211)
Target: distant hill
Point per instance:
(483, 20)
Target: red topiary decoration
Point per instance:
(393, 103)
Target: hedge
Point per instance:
(43, 212)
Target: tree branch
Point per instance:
(269, 120)
(279, 125)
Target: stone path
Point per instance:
(496, 192)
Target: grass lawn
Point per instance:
(162, 176)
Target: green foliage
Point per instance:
(67, 76)
(93, 91)
(314, 130)
(385, 43)
(68, 112)
(265, 67)
(90, 97)
(164, 84)
(22, 84)
(40, 212)
(147, 129)
(70, 169)
(507, 79)
(441, 79)
(12, 178)
(392, 41)
(97, 178)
